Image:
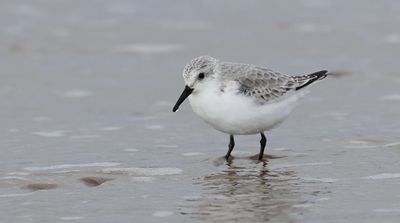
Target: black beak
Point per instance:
(186, 92)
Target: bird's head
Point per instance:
(197, 72)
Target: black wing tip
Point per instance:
(319, 75)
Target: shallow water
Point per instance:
(88, 135)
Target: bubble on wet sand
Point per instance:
(56, 133)
(67, 166)
(16, 195)
(364, 143)
(382, 176)
(360, 146)
(305, 205)
(143, 171)
(154, 127)
(193, 154)
(110, 128)
(321, 179)
(65, 171)
(131, 150)
(13, 178)
(162, 213)
(323, 199)
(71, 218)
(77, 93)
(281, 149)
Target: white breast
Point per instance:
(237, 114)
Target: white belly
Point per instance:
(237, 114)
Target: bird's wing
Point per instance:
(266, 85)
(263, 84)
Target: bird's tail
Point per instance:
(306, 80)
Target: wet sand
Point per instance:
(88, 135)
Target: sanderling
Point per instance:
(241, 99)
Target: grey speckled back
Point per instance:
(262, 83)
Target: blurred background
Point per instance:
(87, 132)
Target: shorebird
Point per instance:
(242, 99)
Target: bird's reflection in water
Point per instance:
(244, 190)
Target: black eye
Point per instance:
(201, 76)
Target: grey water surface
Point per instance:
(87, 132)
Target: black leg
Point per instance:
(263, 142)
(231, 145)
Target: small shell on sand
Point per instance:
(94, 181)
(40, 186)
